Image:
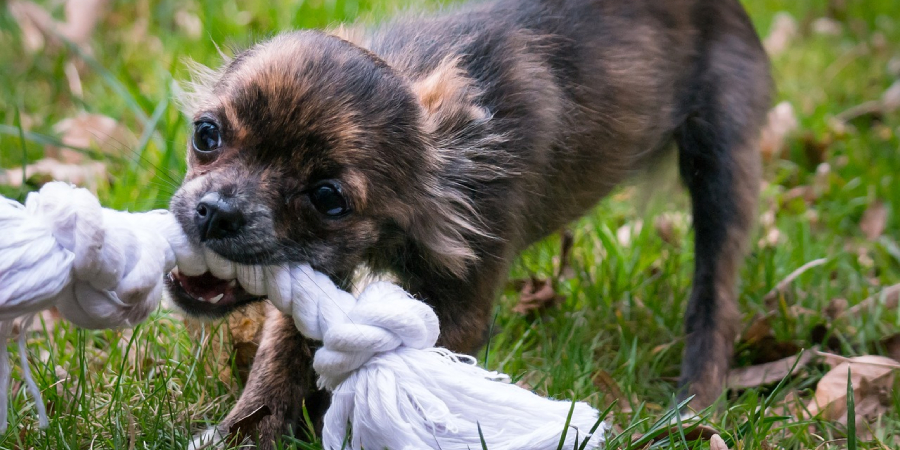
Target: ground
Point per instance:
(616, 334)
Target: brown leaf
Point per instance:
(81, 20)
(87, 175)
(891, 346)
(670, 226)
(717, 443)
(607, 384)
(784, 30)
(889, 297)
(536, 295)
(872, 377)
(90, 131)
(781, 122)
(246, 424)
(625, 232)
(39, 27)
(692, 432)
(873, 221)
(760, 328)
(768, 373)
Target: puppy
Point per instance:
(437, 148)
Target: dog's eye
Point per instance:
(329, 200)
(206, 137)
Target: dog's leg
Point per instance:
(282, 380)
(718, 160)
(463, 305)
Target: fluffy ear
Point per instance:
(448, 99)
(446, 223)
(192, 95)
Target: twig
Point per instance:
(782, 285)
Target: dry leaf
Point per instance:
(826, 26)
(759, 329)
(536, 295)
(784, 29)
(81, 20)
(717, 443)
(871, 375)
(888, 298)
(891, 346)
(625, 232)
(768, 373)
(692, 432)
(245, 425)
(781, 122)
(670, 226)
(607, 384)
(836, 308)
(87, 175)
(189, 23)
(890, 100)
(90, 131)
(39, 27)
(873, 220)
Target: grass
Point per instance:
(151, 388)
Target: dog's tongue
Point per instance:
(207, 288)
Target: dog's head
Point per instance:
(309, 149)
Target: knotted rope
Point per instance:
(390, 387)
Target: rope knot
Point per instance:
(385, 317)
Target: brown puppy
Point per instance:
(437, 148)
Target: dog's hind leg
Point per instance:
(719, 163)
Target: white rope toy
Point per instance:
(390, 387)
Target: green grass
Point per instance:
(151, 388)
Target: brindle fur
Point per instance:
(462, 138)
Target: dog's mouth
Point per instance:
(206, 295)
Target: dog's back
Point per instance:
(582, 93)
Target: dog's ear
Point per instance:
(448, 99)
(191, 96)
(445, 222)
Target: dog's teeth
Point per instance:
(216, 299)
(232, 283)
(175, 271)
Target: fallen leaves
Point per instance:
(781, 122)
(784, 30)
(235, 344)
(873, 221)
(768, 373)
(717, 443)
(872, 378)
(875, 109)
(605, 383)
(537, 295)
(40, 29)
(65, 163)
(42, 171)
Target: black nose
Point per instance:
(217, 217)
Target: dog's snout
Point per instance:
(217, 217)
